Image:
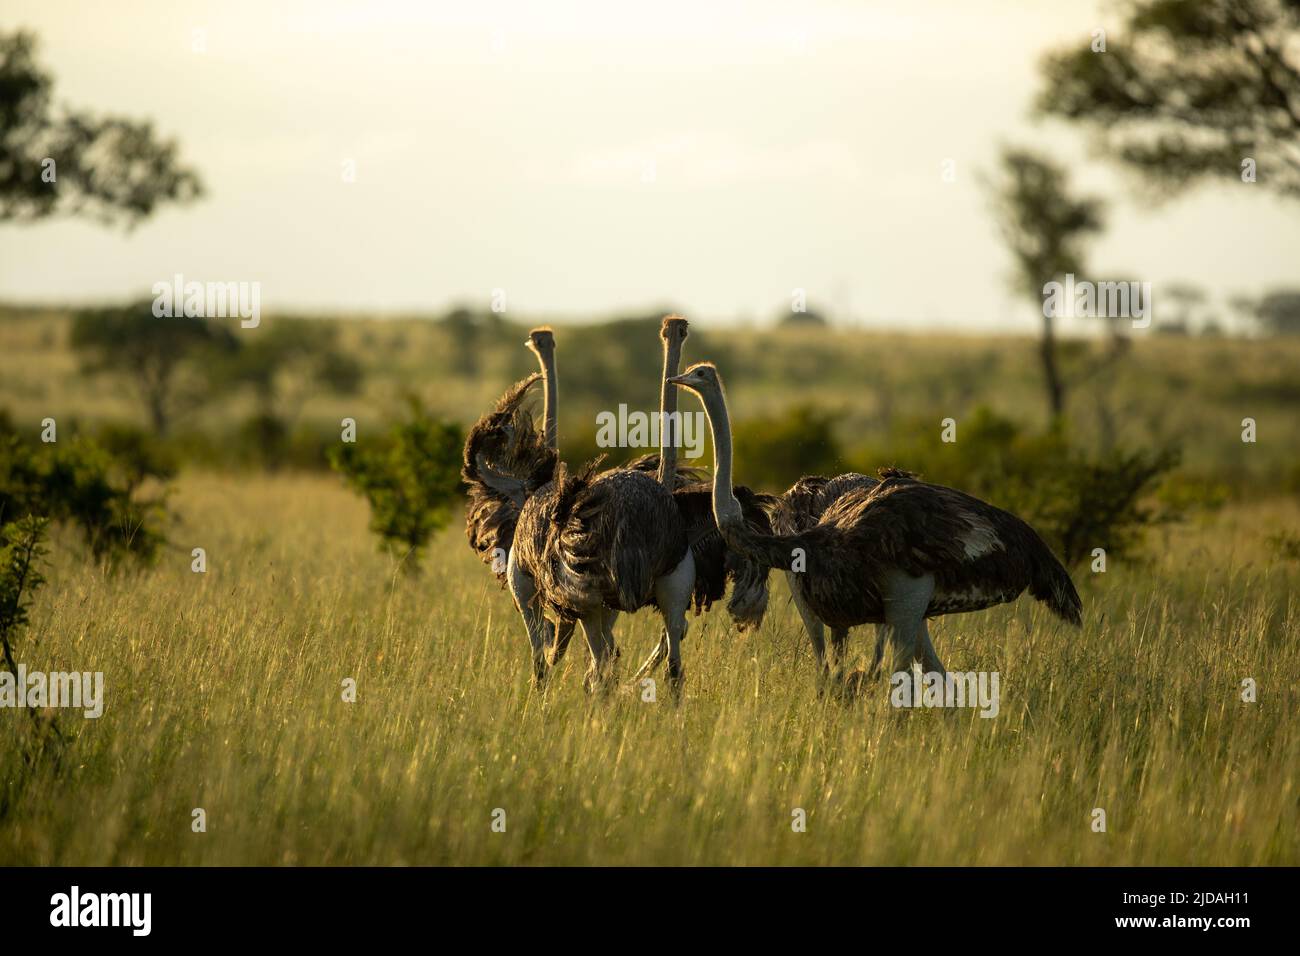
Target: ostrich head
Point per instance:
(674, 329)
(701, 378)
(541, 341)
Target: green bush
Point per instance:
(21, 550)
(77, 481)
(411, 477)
(138, 455)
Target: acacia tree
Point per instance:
(55, 160)
(1046, 229)
(1279, 312)
(152, 354)
(1188, 90)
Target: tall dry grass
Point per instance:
(224, 692)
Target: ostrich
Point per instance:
(896, 553)
(508, 464)
(588, 543)
(799, 509)
(715, 563)
(541, 342)
(505, 461)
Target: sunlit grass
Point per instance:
(224, 692)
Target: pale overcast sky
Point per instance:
(590, 158)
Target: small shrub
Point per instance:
(410, 476)
(1101, 503)
(21, 552)
(138, 455)
(78, 482)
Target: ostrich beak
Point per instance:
(676, 379)
(528, 343)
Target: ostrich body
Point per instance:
(588, 544)
(799, 509)
(502, 451)
(895, 553)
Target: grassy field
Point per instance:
(224, 692)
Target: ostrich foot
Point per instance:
(676, 678)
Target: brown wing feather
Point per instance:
(504, 442)
(649, 463)
(611, 537)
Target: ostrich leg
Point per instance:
(602, 657)
(881, 632)
(673, 594)
(811, 623)
(839, 636)
(524, 590)
(564, 634)
(656, 656)
(608, 629)
(906, 600)
(560, 644)
(929, 657)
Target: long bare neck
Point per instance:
(550, 392)
(668, 422)
(726, 509)
(768, 550)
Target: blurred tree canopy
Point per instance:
(281, 363)
(1046, 230)
(467, 331)
(286, 353)
(148, 352)
(807, 318)
(1189, 89)
(1279, 312)
(56, 160)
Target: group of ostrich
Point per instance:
(579, 546)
